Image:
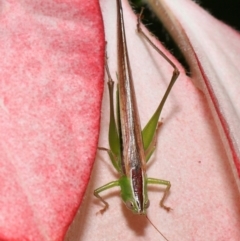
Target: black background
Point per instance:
(227, 11)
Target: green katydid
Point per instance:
(131, 147)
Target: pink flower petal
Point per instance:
(213, 51)
(50, 95)
(189, 153)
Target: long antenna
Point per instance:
(156, 228)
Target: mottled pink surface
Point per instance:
(52, 58)
(190, 151)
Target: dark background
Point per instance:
(227, 11)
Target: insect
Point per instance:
(130, 146)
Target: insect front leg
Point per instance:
(114, 143)
(101, 189)
(161, 182)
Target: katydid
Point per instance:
(131, 147)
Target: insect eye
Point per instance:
(147, 204)
(129, 205)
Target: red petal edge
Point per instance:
(212, 50)
(52, 72)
